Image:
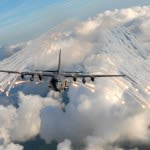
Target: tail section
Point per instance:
(59, 61)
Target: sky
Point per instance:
(23, 20)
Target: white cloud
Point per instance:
(23, 123)
(12, 146)
(136, 128)
(65, 145)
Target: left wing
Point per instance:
(32, 74)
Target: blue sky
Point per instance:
(22, 20)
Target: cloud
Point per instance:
(12, 147)
(101, 115)
(138, 127)
(7, 51)
(65, 145)
(22, 123)
(90, 114)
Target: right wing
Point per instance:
(92, 76)
(78, 75)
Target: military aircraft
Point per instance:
(59, 76)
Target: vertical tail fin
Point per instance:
(59, 61)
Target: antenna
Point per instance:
(59, 61)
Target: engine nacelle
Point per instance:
(22, 76)
(74, 79)
(40, 77)
(32, 78)
(92, 79)
(83, 81)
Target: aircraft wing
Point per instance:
(25, 73)
(64, 74)
(82, 75)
